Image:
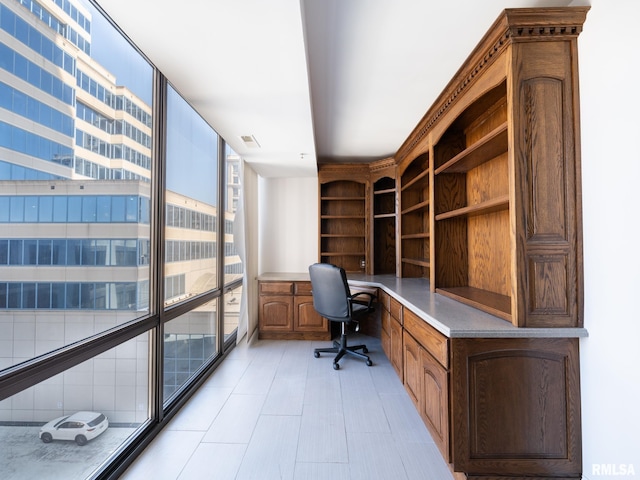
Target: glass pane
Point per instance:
(189, 341)
(231, 311)
(192, 146)
(70, 188)
(37, 436)
(233, 267)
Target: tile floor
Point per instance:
(273, 411)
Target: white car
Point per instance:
(80, 427)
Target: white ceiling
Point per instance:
(311, 80)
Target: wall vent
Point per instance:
(250, 141)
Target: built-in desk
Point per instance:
(500, 401)
(453, 319)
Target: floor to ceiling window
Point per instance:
(119, 286)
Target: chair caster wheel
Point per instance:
(316, 354)
(336, 366)
(369, 363)
(365, 350)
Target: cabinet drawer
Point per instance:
(276, 288)
(303, 288)
(432, 340)
(395, 309)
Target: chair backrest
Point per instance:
(330, 291)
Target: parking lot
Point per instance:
(25, 457)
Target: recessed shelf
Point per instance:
(340, 235)
(421, 262)
(488, 147)
(418, 206)
(416, 179)
(490, 302)
(385, 191)
(342, 199)
(339, 217)
(384, 215)
(411, 236)
(342, 254)
(494, 205)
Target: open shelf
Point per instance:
(418, 206)
(421, 176)
(384, 225)
(343, 224)
(490, 302)
(342, 199)
(340, 235)
(415, 204)
(421, 262)
(490, 206)
(488, 147)
(415, 235)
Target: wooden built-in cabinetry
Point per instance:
(487, 208)
(385, 201)
(500, 147)
(414, 218)
(391, 316)
(497, 407)
(286, 312)
(487, 186)
(344, 212)
(426, 377)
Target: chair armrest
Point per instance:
(363, 301)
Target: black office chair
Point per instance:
(333, 300)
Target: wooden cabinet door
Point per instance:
(385, 332)
(305, 317)
(515, 407)
(412, 369)
(434, 401)
(397, 352)
(276, 313)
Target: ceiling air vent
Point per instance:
(250, 141)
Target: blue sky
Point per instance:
(116, 54)
(191, 143)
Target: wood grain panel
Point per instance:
(302, 288)
(489, 247)
(275, 288)
(549, 284)
(412, 369)
(430, 339)
(435, 402)
(276, 313)
(384, 239)
(542, 99)
(516, 406)
(305, 317)
(396, 309)
(397, 351)
(452, 253)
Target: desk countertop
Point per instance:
(452, 319)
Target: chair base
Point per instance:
(341, 349)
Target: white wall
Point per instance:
(610, 357)
(288, 224)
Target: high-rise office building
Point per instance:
(75, 204)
